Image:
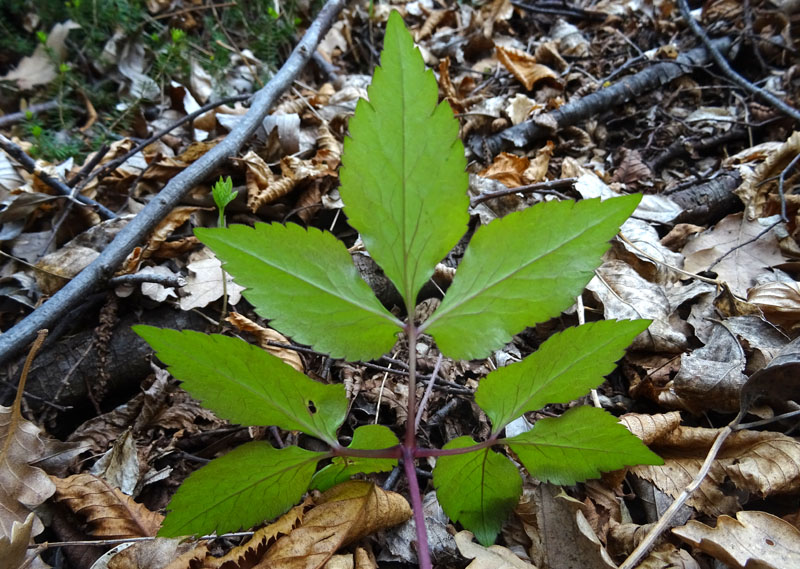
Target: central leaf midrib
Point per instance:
(439, 314)
(316, 285)
(312, 428)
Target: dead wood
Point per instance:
(64, 372)
(708, 202)
(600, 101)
(15, 339)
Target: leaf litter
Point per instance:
(711, 342)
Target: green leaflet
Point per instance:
(403, 176)
(305, 282)
(478, 489)
(564, 368)
(342, 468)
(523, 269)
(250, 484)
(579, 445)
(247, 385)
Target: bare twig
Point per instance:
(30, 165)
(102, 268)
(114, 164)
(663, 522)
(12, 118)
(726, 69)
(550, 186)
(138, 278)
(601, 100)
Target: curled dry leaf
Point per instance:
(779, 301)
(344, 514)
(14, 548)
(107, 512)
(265, 336)
(759, 183)
(753, 539)
(204, 282)
(161, 553)
(762, 463)
(22, 487)
(524, 67)
(506, 168)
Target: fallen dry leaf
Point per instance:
(747, 259)
(344, 514)
(524, 67)
(22, 486)
(204, 282)
(265, 336)
(14, 548)
(492, 557)
(107, 512)
(753, 539)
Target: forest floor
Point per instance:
(116, 122)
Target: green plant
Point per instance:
(404, 184)
(223, 194)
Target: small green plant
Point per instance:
(404, 182)
(223, 194)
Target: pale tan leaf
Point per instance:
(492, 557)
(14, 548)
(161, 553)
(757, 184)
(22, 487)
(524, 67)
(344, 514)
(39, 68)
(759, 462)
(265, 336)
(651, 428)
(667, 556)
(753, 539)
(779, 301)
(253, 550)
(746, 260)
(107, 512)
(204, 282)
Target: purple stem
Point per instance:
(423, 553)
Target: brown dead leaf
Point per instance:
(344, 514)
(746, 260)
(667, 556)
(753, 539)
(107, 512)
(174, 219)
(759, 462)
(161, 553)
(524, 67)
(22, 487)
(492, 557)
(779, 301)
(252, 551)
(560, 534)
(265, 336)
(758, 184)
(507, 169)
(14, 548)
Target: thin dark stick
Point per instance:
(102, 268)
(548, 186)
(726, 69)
(117, 162)
(138, 278)
(30, 165)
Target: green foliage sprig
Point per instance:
(404, 182)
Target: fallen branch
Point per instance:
(63, 189)
(726, 69)
(14, 340)
(573, 112)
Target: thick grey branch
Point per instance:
(13, 341)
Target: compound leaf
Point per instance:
(478, 489)
(247, 385)
(305, 282)
(523, 269)
(250, 484)
(369, 437)
(403, 175)
(579, 445)
(564, 368)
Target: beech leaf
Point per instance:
(564, 368)
(305, 282)
(549, 253)
(478, 489)
(581, 444)
(403, 176)
(343, 467)
(252, 483)
(247, 385)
